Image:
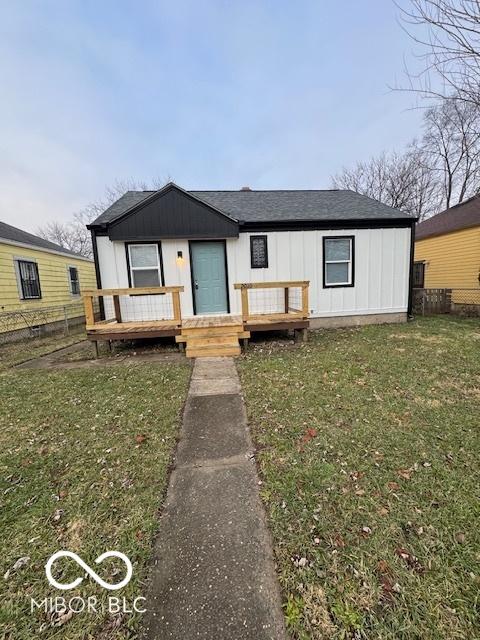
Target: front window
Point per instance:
(338, 261)
(145, 265)
(74, 281)
(29, 280)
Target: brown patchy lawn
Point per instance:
(368, 444)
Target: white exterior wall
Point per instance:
(381, 273)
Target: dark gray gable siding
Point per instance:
(172, 213)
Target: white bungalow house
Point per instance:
(354, 253)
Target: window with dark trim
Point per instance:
(419, 275)
(258, 252)
(74, 281)
(29, 280)
(145, 265)
(338, 261)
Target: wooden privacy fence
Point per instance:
(432, 301)
(276, 301)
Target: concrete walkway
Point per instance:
(213, 575)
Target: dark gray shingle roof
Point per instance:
(7, 232)
(273, 206)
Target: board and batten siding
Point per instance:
(54, 279)
(382, 262)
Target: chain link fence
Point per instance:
(462, 302)
(23, 324)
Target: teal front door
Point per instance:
(209, 277)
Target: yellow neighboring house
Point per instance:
(447, 252)
(40, 282)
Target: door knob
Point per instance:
(196, 284)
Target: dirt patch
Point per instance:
(317, 617)
(419, 336)
(80, 356)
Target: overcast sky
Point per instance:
(217, 95)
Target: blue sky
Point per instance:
(216, 95)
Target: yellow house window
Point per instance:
(28, 279)
(74, 281)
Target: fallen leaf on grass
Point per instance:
(21, 562)
(383, 511)
(60, 618)
(393, 486)
(338, 541)
(411, 560)
(383, 568)
(460, 538)
(57, 515)
(300, 562)
(388, 589)
(140, 438)
(309, 434)
(356, 475)
(404, 473)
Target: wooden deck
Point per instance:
(212, 335)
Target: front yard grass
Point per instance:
(84, 456)
(368, 446)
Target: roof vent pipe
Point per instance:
(245, 189)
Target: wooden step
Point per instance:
(212, 331)
(200, 341)
(211, 351)
(207, 333)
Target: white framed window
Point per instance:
(338, 261)
(73, 280)
(28, 279)
(145, 265)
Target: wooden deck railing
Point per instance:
(89, 295)
(288, 312)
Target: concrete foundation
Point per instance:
(357, 321)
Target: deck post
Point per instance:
(245, 311)
(116, 306)
(88, 304)
(177, 311)
(305, 300)
(95, 344)
(286, 299)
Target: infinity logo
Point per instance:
(91, 572)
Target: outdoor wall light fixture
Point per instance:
(180, 259)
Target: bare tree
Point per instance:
(74, 235)
(448, 34)
(451, 147)
(403, 181)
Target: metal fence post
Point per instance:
(65, 317)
